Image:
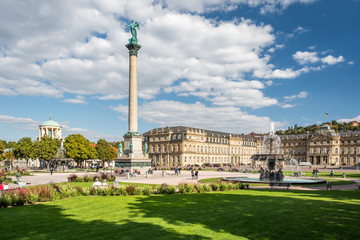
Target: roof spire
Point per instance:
(50, 117)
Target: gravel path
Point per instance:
(169, 178)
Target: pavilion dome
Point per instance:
(50, 122)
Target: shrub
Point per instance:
(162, 189)
(207, 188)
(239, 186)
(223, 186)
(171, 189)
(87, 178)
(190, 188)
(72, 177)
(182, 188)
(104, 176)
(33, 197)
(121, 190)
(5, 200)
(46, 193)
(148, 190)
(231, 186)
(137, 191)
(215, 186)
(130, 189)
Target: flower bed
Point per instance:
(45, 193)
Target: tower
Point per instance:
(134, 157)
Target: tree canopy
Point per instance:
(104, 150)
(46, 148)
(79, 148)
(24, 148)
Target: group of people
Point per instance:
(315, 173)
(177, 171)
(194, 174)
(4, 186)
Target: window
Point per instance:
(178, 148)
(185, 148)
(159, 148)
(164, 148)
(153, 148)
(173, 148)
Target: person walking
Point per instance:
(18, 175)
(332, 173)
(192, 174)
(196, 174)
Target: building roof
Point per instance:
(50, 122)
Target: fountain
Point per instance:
(271, 155)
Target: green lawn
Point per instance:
(244, 214)
(89, 184)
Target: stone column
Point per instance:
(133, 119)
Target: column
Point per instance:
(133, 120)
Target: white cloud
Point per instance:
(357, 118)
(306, 57)
(78, 100)
(20, 123)
(302, 94)
(331, 60)
(173, 113)
(287, 106)
(312, 57)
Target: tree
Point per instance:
(9, 155)
(46, 148)
(2, 147)
(104, 150)
(79, 148)
(24, 148)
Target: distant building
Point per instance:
(50, 128)
(324, 147)
(185, 146)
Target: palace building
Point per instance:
(324, 147)
(185, 146)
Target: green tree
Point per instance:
(104, 150)
(79, 148)
(46, 148)
(24, 148)
(10, 144)
(9, 155)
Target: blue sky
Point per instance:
(226, 65)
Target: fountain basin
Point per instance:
(302, 181)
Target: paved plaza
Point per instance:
(170, 178)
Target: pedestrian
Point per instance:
(192, 174)
(316, 173)
(313, 172)
(51, 170)
(197, 175)
(18, 175)
(332, 173)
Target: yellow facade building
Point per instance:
(324, 147)
(185, 146)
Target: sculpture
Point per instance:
(120, 148)
(131, 147)
(145, 148)
(133, 27)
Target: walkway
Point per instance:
(171, 178)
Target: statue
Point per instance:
(145, 148)
(133, 27)
(120, 148)
(131, 147)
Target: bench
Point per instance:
(288, 185)
(357, 186)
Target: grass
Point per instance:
(244, 214)
(89, 184)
